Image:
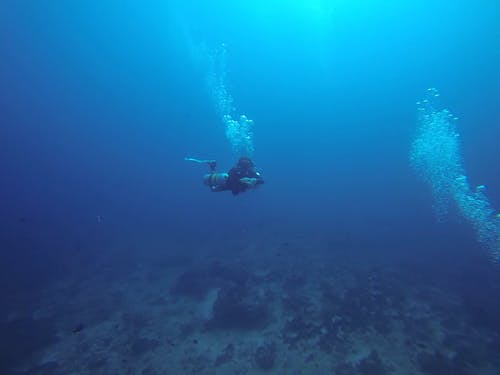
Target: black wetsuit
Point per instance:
(236, 174)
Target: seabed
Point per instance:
(281, 306)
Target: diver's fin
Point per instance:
(212, 164)
(202, 161)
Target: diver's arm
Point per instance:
(249, 181)
(253, 181)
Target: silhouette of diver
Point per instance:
(239, 178)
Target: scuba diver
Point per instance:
(239, 178)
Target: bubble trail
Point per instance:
(436, 157)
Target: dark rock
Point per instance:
(371, 365)
(437, 364)
(47, 368)
(22, 338)
(265, 356)
(194, 282)
(294, 282)
(295, 303)
(96, 363)
(78, 328)
(143, 345)
(197, 281)
(297, 329)
(343, 368)
(236, 308)
(133, 322)
(229, 273)
(187, 329)
(149, 371)
(226, 356)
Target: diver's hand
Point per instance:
(250, 181)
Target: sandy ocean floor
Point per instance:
(286, 310)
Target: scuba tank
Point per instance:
(216, 181)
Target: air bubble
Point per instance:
(436, 157)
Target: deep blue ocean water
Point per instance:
(101, 101)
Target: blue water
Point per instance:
(101, 101)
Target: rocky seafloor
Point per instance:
(286, 310)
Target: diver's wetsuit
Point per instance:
(239, 179)
(236, 174)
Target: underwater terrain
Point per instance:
(261, 187)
